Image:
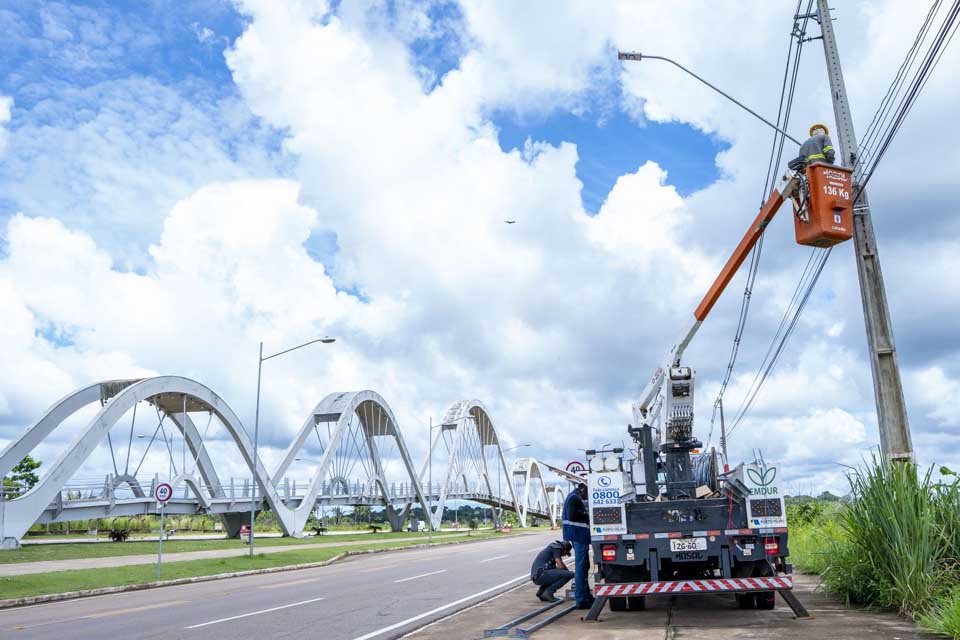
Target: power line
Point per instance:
(790, 73)
(880, 133)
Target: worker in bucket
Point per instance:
(548, 570)
(576, 530)
(817, 148)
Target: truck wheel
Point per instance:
(746, 601)
(766, 599)
(618, 604)
(638, 603)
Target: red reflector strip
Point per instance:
(713, 532)
(780, 530)
(643, 536)
(611, 537)
(674, 534)
(695, 586)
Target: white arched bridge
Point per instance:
(350, 450)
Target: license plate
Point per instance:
(688, 544)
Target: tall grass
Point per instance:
(895, 545)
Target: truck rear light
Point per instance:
(771, 546)
(609, 552)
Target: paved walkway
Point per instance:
(45, 566)
(706, 617)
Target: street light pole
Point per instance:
(256, 442)
(640, 56)
(430, 485)
(256, 427)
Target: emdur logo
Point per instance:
(762, 479)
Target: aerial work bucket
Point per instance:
(827, 218)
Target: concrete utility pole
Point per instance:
(891, 409)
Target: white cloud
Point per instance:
(554, 322)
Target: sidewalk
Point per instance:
(46, 566)
(708, 617)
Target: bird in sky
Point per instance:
(510, 221)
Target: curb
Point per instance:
(102, 591)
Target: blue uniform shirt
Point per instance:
(576, 521)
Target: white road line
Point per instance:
(374, 634)
(252, 613)
(422, 575)
(496, 558)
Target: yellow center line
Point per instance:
(287, 584)
(146, 607)
(103, 614)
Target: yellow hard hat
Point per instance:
(820, 126)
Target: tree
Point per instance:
(22, 477)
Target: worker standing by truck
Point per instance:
(576, 530)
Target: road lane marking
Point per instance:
(421, 616)
(377, 568)
(287, 584)
(252, 613)
(422, 575)
(496, 558)
(102, 614)
(146, 607)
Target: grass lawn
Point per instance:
(64, 581)
(65, 551)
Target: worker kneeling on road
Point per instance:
(576, 529)
(549, 571)
(817, 148)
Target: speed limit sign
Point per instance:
(163, 492)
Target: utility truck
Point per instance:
(669, 520)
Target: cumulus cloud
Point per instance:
(554, 322)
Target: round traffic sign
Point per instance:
(163, 492)
(575, 467)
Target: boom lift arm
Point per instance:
(788, 188)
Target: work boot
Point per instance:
(548, 596)
(541, 590)
(586, 604)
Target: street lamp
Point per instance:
(256, 426)
(621, 55)
(499, 491)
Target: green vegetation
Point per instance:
(22, 477)
(65, 581)
(66, 551)
(895, 545)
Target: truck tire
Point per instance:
(766, 599)
(746, 601)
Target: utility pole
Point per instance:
(891, 409)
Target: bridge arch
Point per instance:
(174, 396)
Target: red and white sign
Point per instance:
(163, 492)
(575, 467)
(694, 586)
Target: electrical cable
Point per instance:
(790, 73)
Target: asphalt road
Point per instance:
(375, 596)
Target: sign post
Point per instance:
(575, 466)
(162, 493)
